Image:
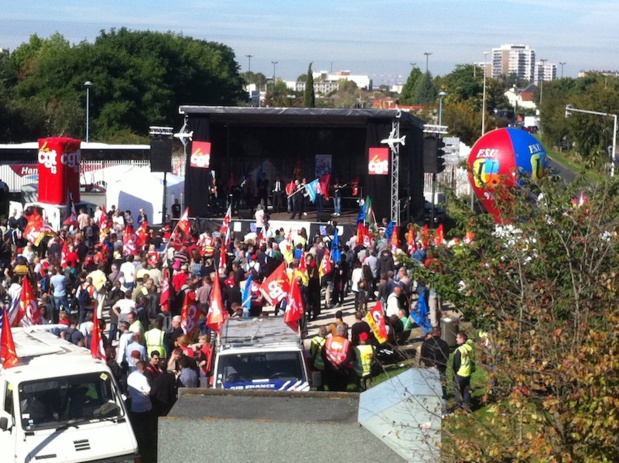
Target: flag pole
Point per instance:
(174, 231)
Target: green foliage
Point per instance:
(545, 292)
(425, 91)
(407, 96)
(140, 79)
(309, 97)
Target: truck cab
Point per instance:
(259, 353)
(61, 405)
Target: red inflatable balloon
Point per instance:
(501, 157)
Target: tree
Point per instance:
(544, 291)
(309, 97)
(425, 92)
(140, 79)
(407, 96)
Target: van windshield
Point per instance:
(259, 368)
(67, 401)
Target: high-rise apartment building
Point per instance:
(514, 59)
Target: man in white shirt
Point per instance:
(140, 410)
(128, 270)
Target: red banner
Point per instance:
(200, 154)
(190, 314)
(59, 169)
(378, 161)
(276, 286)
(375, 319)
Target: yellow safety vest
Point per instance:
(364, 354)
(466, 352)
(316, 347)
(154, 341)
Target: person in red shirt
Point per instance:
(180, 278)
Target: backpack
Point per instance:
(83, 297)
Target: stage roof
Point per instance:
(347, 117)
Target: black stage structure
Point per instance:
(245, 142)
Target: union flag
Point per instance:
(97, 349)
(129, 241)
(164, 298)
(37, 228)
(294, 308)
(7, 345)
(276, 286)
(217, 314)
(28, 306)
(142, 235)
(326, 266)
(190, 314)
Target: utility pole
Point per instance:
(562, 64)
(249, 57)
(427, 53)
(274, 63)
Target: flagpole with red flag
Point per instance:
(97, 350)
(217, 314)
(294, 308)
(7, 345)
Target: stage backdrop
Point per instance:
(247, 142)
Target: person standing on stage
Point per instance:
(278, 194)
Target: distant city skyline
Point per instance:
(378, 39)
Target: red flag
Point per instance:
(71, 220)
(325, 264)
(189, 314)
(105, 224)
(129, 241)
(97, 349)
(183, 223)
(276, 286)
(294, 307)
(410, 240)
(325, 183)
(376, 320)
(7, 345)
(363, 235)
(424, 236)
(164, 298)
(64, 253)
(28, 306)
(217, 315)
(303, 264)
(142, 235)
(223, 263)
(37, 229)
(354, 184)
(395, 240)
(440, 236)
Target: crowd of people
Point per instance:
(94, 271)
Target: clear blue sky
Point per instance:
(379, 38)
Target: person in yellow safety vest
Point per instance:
(463, 367)
(316, 347)
(155, 339)
(364, 356)
(338, 356)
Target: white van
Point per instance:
(260, 353)
(61, 405)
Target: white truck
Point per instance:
(61, 405)
(260, 353)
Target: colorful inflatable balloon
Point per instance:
(503, 157)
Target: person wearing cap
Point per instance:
(364, 357)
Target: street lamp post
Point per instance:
(483, 104)
(562, 64)
(249, 57)
(541, 83)
(88, 84)
(568, 113)
(427, 53)
(441, 95)
(274, 63)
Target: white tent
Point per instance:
(140, 188)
